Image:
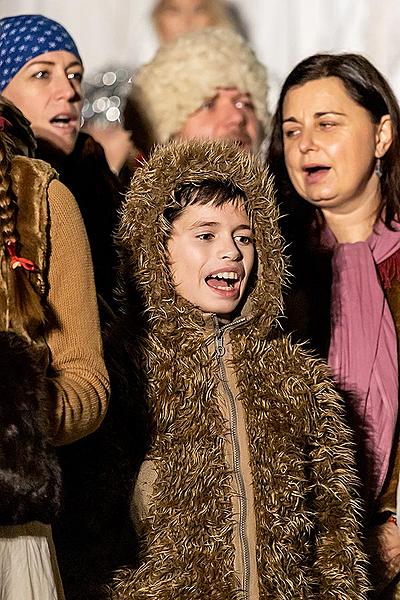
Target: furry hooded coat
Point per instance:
(246, 480)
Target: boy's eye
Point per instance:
(245, 240)
(205, 236)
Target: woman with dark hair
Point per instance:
(335, 153)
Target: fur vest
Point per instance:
(29, 473)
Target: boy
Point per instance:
(247, 487)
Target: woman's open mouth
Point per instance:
(315, 173)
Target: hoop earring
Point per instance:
(378, 168)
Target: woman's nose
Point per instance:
(65, 88)
(307, 140)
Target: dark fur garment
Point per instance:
(30, 480)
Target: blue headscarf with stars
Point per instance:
(23, 37)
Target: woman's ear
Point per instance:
(384, 136)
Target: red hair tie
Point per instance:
(18, 261)
(4, 124)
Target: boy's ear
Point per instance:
(383, 136)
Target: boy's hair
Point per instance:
(209, 191)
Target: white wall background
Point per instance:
(112, 32)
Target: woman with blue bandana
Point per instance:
(41, 73)
(53, 381)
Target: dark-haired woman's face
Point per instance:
(331, 145)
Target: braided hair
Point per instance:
(16, 138)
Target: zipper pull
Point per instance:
(219, 346)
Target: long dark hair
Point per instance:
(368, 88)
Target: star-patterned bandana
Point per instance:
(23, 37)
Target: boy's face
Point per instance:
(211, 255)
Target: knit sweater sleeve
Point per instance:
(78, 375)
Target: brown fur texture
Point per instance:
(302, 462)
(30, 180)
(30, 481)
(30, 478)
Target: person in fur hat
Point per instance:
(206, 84)
(242, 481)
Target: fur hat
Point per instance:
(187, 71)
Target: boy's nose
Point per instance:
(230, 251)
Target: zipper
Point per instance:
(220, 351)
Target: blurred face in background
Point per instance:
(176, 17)
(229, 115)
(47, 90)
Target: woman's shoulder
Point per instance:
(30, 167)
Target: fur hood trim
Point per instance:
(143, 230)
(187, 71)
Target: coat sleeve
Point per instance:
(78, 377)
(340, 563)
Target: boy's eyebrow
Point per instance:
(197, 224)
(203, 224)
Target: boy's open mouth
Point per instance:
(223, 280)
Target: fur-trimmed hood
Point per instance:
(143, 230)
(211, 397)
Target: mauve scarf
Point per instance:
(363, 348)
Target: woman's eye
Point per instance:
(205, 236)
(289, 133)
(75, 76)
(327, 124)
(41, 75)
